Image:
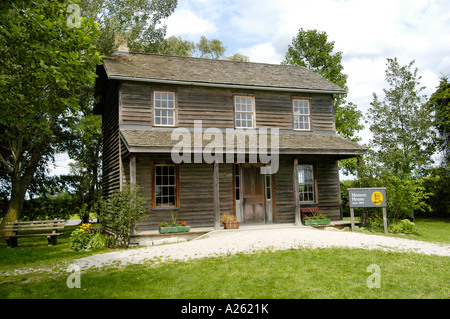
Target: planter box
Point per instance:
(231, 225)
(174, 229)
(311, 222)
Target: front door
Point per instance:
(253, 194)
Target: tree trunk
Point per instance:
(18, 190)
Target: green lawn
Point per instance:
(294, 274)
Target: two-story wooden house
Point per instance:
(145, 100)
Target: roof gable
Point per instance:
(209, 72)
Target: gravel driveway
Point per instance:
(223, 242)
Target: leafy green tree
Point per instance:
(44, 59)
(312, 50)
(440, 105)
(134, 22)
(238, 57)
(177, 46)
(401, 123)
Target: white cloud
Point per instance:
(264, 53)
(187, 24)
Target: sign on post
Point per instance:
(367, 197)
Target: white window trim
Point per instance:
(252, 112)
(308, 115)
(314, 192)
(174, 109)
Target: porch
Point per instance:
(153, 237)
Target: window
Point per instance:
(306, 183)
(164, 109)
(244, 114)
(301, 114)
(165, 185)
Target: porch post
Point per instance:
(298, 220)
(216, 195)
(132, 171)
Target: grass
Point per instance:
(290, 274)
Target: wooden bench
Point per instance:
(40, 225)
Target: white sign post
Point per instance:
(367, 197)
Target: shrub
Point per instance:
(87, 237)
(405, 226)
(121, 212)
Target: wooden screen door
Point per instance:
(253, 194)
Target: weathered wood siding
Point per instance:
(327, 173)
(111, 148)
(135, 103)
(215, 107)
(196, 191)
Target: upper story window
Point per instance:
(244, 112)
(164, 109)
(301, 114)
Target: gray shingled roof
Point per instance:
(161, 141)
(197, 71)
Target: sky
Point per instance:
(366, 32)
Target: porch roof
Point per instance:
(160, 141)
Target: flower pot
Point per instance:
(311, 222)
(231, 225)
(174, 229)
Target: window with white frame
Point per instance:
(301, 114)
(164, 108)
(244, 112)
(306, 183)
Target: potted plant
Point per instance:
(315, 219)
(176, 226)
(229, 221)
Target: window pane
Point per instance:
(164, 108)
(306, 183)
(165, 185)
(243, 107)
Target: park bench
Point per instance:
(23, 229)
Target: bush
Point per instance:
(87, 237)
(121, 212)
(405, 226)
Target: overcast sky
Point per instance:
(367, 32)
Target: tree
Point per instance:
(440, 105)
(401, 123)
(44, 60)
(312, 50)
(84, 147)
(134, 22)
(210, 49)
(402, 143)
(177, 46)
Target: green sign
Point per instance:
(367, 197)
